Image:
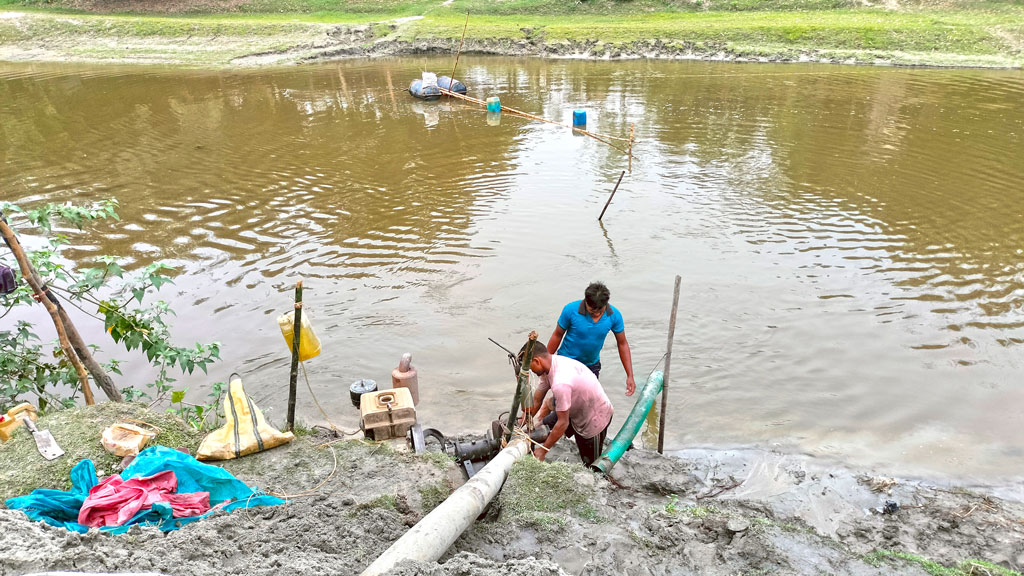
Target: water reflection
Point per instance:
(850, 238)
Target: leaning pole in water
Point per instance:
(431, 537)
(631, 427)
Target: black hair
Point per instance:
(597, 295)
(540, 350)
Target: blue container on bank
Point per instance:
(579, 117)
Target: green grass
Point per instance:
(432, 495)
(848, 29)
(969, 567)
(960, 32)
(543, 495)
(382, 502)
(439, 459)
(78, 432)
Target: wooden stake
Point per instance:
(451, 84)
(51, 308)
(603, 138)
(391, 92)
(612, 196)
(296, 338)
(668, 368)
(521, 384)
(632, 127)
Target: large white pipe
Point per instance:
(431, 537)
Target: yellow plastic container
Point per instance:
(9, 422)
(309, 344)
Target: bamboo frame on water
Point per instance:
(599, 137)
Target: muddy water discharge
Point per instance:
(851, 240)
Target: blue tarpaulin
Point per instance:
(60, 508)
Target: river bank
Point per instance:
(225, 34)
(711, 512)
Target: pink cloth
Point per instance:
(578, 391)
(114, 501)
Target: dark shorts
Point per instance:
(596, 368)
(590, 448)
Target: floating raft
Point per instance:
(432, 91)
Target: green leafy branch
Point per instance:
(114, 295)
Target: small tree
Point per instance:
(106, 292)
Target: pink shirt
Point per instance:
(578, 391)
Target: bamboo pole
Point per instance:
(521, 383)
(599, 137)
(668, 367)
(391, 92)
(612, 196)
(95, 369)
(41, 295)
(296, 337)
(451, 83)
(632, 126)
(99, 375)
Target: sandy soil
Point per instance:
(701, 512)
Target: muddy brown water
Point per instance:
(850, 239)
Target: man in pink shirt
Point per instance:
(580, 407)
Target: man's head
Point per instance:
(541, 362)
(596, 297)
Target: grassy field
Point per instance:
(956, 32)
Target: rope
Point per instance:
(334, 428)
(519, 433)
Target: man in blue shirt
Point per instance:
(584, 325)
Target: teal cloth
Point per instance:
(60, 508)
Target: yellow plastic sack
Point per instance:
(309, 344)
(124, 439)
(245, 432)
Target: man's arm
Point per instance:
(540, 453)
(627, 361)
(547, 408)
(556, 339)
(535, 405)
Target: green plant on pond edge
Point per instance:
(969, 567)
(107, 292)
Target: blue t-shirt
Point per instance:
(584, 338)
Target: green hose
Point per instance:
(633, 423)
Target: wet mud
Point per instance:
(698, 512)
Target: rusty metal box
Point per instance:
(387, 413)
